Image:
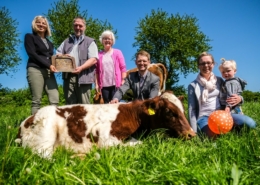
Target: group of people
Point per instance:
(107, 69)
(209, 92)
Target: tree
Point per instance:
(61, 16)
(250, 96)
(9, 42)
(173, 40)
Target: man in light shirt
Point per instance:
(77, 85)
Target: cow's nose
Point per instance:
(190, 135)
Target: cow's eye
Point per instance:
(168, 112)
(152, 105)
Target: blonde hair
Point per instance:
(226, 64)
(107, 33)
(205, 54)
(35, 29)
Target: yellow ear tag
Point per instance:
(151, 111)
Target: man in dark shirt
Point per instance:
(143, 83)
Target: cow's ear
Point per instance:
(181, 98)
(168, 91)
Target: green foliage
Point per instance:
(179, 90)
(250, 96)
(23, 97)
(45, 100)
(173, 40)
(61, 16)
(20, 97)
(128, 96)
(235, 173)
(232, 158)
(93, 92)
(9, 41)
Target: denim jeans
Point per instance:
(239, 120)
(203, 127)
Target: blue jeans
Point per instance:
(203, 127)
(239, 120)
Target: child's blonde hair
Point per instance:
(227, 63)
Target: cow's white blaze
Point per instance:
(172, 98)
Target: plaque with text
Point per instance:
(63, 63)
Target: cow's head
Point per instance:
(24, 130)
(178, 101)
(164, 114)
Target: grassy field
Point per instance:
(233, 158)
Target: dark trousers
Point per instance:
(108, 93)
(75, 93)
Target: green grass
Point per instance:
(233, 158)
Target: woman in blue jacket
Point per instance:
(40, 71)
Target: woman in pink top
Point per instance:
(111, 68)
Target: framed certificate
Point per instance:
(63, 63)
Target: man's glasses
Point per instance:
(205, 63)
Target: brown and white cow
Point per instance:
(79, 127)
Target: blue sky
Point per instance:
(232, 25)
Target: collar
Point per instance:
(77, 40)
(145, 74)
(234, 78)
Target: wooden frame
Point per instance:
(63, 63)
